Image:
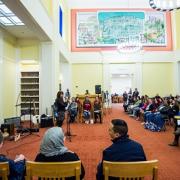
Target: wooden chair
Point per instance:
(131, 170)
(4, 170)
(53, 170)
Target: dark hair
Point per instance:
(59, 93)
(1, 137)
(120, 126)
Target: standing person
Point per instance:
(67, 95)
(52, 149)
(87, 92)
(135, 93)
(17, 166)
(123, 148)
(61, 108)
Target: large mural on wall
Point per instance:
(110, 28)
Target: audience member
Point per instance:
(87, 109)
(79, 104)
(73, 110)
(122, 149)
(52, 149)
(17, 166)
(97, 109)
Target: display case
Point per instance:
(29, 86)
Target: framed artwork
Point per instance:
(102, 29)
(109, 28)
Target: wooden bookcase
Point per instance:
(29, 86)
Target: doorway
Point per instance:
(120, 83)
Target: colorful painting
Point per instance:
(110, 28)
(154, 29)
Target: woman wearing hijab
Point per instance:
(52, 149)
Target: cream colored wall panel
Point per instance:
(9, 51)
(86, 76)
(9, 89)
(157, 78)
(177, 15)
(29, 52)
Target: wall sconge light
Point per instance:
(60, 77)
(29, 61)
(164, 5)
(130, 47)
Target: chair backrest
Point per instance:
(130, 170)
(4, 170)
(53, 170)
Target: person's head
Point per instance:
(118, 128)
(60, 94)
(73, 99)
(1, 139)
(53, 142)
(86, 98)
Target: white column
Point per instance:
(138, 77)
(48, 76)
(1, 77)
(176, 77)
(106, 77)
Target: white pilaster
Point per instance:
(1, 77)
(138, 77)
(48, 77)
(106, 77)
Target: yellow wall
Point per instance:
(48, 6)
(9, 49)
(29, 49)
(177, 15)
(30, 52)
(8, 83)
(158, 78)
(86, 76)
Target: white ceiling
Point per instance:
(30, 30)
(108, 4)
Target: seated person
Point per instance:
(87, 110)
(52, 149)
(17, 166)
(72, 109)
(123, 149)
(97, 110)
(79, 112)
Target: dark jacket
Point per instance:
(17, 170)
(60, 104)
(68, 156)
(123, 149)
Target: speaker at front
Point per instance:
(98, 89)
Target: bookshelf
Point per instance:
(29, 86)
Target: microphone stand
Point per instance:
(68, 128)
(30, 130)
